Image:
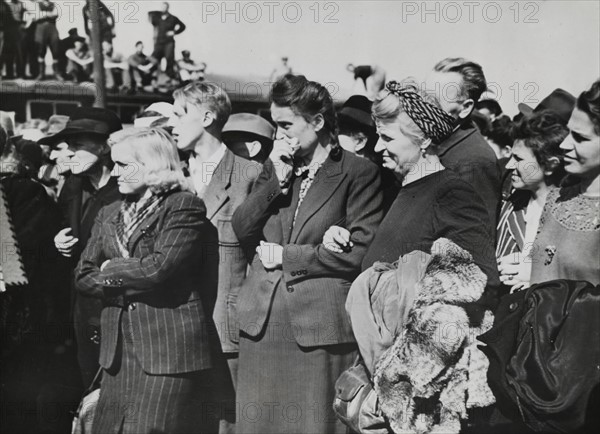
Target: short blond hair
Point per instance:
(155, 149)
(209, 95)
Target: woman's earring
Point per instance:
(424, 146)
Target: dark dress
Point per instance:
(438, 205)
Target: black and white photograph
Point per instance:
(299, 217)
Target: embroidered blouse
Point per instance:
(567, 245)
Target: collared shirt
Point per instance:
(202, 172)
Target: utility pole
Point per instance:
(96, 43)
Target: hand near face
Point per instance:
(271, 255)
(282, 157)
(65, 242)
(337, 239)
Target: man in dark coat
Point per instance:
(457, 85)
(88, 189)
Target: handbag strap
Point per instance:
(95, 381)
(89, 390)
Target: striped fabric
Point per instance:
(161, 287)
(132, 214)
(133, 401)
(433, 121)
(511, 228)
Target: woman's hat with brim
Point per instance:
(90, 121)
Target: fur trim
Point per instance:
(434, 371)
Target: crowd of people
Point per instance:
(29, 30)
(415, 262)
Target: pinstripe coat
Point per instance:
(164, 285)
(315, 281)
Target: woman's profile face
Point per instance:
(527, 172)
(130, 174)
(582, 146)
(400, 152)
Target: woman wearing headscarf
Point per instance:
(146, 261)
(433, 202)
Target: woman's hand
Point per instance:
(509, 268)
(337, 239)
(271, 255)
(282, 157)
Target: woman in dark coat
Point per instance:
(145, 261)
(433, 202)
(295, 337)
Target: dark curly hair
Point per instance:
(543, 132)
(589, 103)
(307, 99)
(500, 132)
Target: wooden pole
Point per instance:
(96, 45)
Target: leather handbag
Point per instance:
(356, 403)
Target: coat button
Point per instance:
(513, 306)
(132, 306)
(293, 273)
(290, 289)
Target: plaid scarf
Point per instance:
(433, 121)
(131, 215)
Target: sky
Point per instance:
(527, 49)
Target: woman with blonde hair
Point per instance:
(145, 260)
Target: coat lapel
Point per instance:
(326, 182)
(287, 213)
(75, 211)
(142, 229)
(216, 194)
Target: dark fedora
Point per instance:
(357, 110)
(92, 121)
(559, 101)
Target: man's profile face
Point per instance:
(188, 124)
(84, 152)
(446, 86)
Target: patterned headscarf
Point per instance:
(433, 121)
